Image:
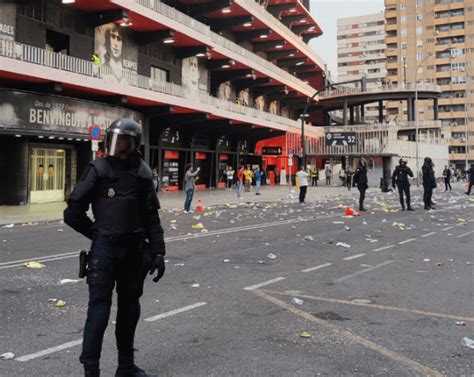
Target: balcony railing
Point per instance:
(222, 42)
(344, 90)
(35, 55)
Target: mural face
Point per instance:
(285, 111)
(225, 91)
(244, 97)
(260, 103)
(118, 54)
(194, 76)
(273, 108)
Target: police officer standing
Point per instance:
(360, 180)
(429, 182)
(127, 242)
(400, 178)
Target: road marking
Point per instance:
(384, 248)
(341, 332)
(465, 234)
(377, 306)
(56, 257)
(176, 311)
(428, 234)
(252, 287)
(406, 241)
(447, 228)
(317, 267)
(48, 351)
(344, 278)
(354, 257)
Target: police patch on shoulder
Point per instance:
(111, 192)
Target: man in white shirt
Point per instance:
(303, 182)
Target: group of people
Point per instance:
(243, 179)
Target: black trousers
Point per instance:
(303, 193)
(469, 188)
(427, 194)
(447, 184)
(113, 261)
(314, 181)
(404, 189)
(362, 190)
(328, 181)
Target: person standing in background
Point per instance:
(314, 176)
(248, 176)
(189, 186)
(283, 177)
(447, 178)
(302, 176)
(360, 179)
(230, 177)
(240, 182)
(429, 182)
(471, 179)
(328, 173)
(258, 179)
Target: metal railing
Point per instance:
(222, 42)
(35, 55)
(344, 90)
(281, 29)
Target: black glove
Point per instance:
(158, 263)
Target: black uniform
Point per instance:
(471, 179)
(447, 179)
(125, 208)
(400, 178)
(429, 182)
(360, 179)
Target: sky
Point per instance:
(326, 13)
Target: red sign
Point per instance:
(200, 156)
(224, 157)
(172, 155)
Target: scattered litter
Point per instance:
(347, 228)
(204, 231)
(70, 281)
(61, 230)
(197, 217)
(426, 260)
(460, 221)
(439, 264)
(179, 264)
(401, 226)
(297, 301)
(52, 299)
(309, 238)
(226, 260)
(172, 221)
(468, 342)
(198, 226)
(60, 304)
(195, 285)
(305, 334)
(271, 256)
(260, 262)
(8, 226)
(343, 244)
(34, 264)
(7, 356)
(460, 323)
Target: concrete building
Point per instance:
(431, 41)
(361, 53)
(207, 80)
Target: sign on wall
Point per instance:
(28, 111)
(340, 138)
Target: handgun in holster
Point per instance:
(83, 262)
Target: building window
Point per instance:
(403, 19)
(403, 6)
(159, 74)
(419, 30)
(419, 56)
(404, 45)
(419, 17)
(419, 3)
(403, 32)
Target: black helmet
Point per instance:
(401, 161)
(127, 128)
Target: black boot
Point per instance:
(91, 370)
(362, 209)
(132, 372)
(410, 208)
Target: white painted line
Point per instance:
(363, 271)
(354, 257)
(252, 287)
(48, 351)
(406, 241)
(176, 311)
(428, 234)
(43, 257)
(317, 267)
(448, 228)
(384, 248)
(465, 234)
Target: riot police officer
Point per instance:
(429, 182)
(127, 242)
(360, 180)
(400, 179)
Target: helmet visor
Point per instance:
(119, 144)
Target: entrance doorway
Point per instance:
(48, 173)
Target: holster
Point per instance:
(83, 262)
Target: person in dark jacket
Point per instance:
(349, 175)
(127, 242)
(447, 178)
(360, 180)
(471, 179)
(400, 179)
(429, 182)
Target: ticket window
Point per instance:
(170, 171)
(48, 175)
(201, 161)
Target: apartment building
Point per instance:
(207, 80)
(431, 41)
(361, 53)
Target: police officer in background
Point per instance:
(400, 178)
(429, 182)
(360, 180)
(127, 242)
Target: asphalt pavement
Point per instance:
(264, 289)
